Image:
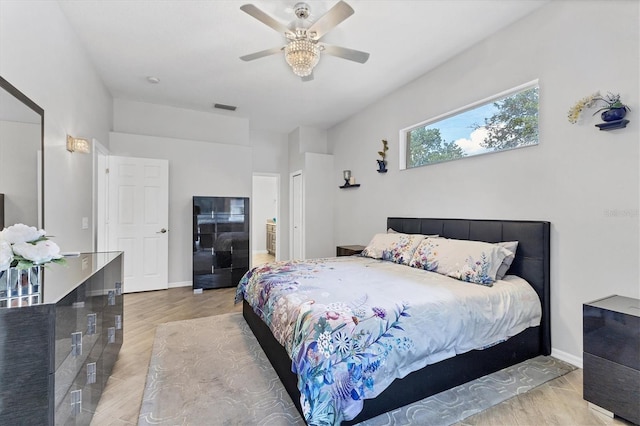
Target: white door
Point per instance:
(297, 250)
(138, 220)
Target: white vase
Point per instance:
(20, 287)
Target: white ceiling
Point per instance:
(193, 47)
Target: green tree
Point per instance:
(426, 146)
(515, 123)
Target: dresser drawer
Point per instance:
(612, 386)
(612, 335)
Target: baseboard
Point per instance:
(181, 284)
(567, 357)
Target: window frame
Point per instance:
(404, 133)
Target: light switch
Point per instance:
(85, 223)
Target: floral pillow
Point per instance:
(401, 251)
(378, 244)
(471, 261)
(395, 247)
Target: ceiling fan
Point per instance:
(302, 51)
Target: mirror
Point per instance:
(21, 148)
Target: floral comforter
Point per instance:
(352, 325)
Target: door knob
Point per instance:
(162, 231)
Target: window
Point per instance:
(506, 121)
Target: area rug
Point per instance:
(212, 371)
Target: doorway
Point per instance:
(265, 209)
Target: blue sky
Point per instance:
(460, 126)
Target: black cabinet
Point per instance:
(220, 241)
(611, 358)
(55, 358)
(88, 338)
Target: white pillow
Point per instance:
(395, 247)
(471, 261)
(512, 246)
(378, 244)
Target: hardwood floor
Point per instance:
(122, 397)
(260, 258)
(558, 402)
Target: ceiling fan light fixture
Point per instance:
(302, 55)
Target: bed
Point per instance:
(531, 263)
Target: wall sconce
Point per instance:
(78, 145)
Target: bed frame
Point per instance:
(531, 263)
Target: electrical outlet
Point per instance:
(85, 223)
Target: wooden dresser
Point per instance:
(611, 357)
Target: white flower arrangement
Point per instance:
(587, 102)
(24, 247)
(611, 101)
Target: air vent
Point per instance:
(223, 106)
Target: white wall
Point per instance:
(196, 168)
(166, 121)
(584, 181)
(270, 155)
(268, 151)
(313, 140)
(318, 205)
(308, 153)
(42, 57)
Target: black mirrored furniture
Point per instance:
(611, 356)
(56, 358)
(220, 241)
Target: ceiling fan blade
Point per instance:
(344, 53)
(308, 78)
(329, 20)
(261, 54)
(265, 19)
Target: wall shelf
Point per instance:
(612, 125)
(355, 185)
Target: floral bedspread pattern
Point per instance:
(350, 331)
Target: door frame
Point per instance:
(291, 215)
(100, 203)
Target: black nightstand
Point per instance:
(611, 357)
(348, 250)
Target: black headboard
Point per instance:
(532, 256)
